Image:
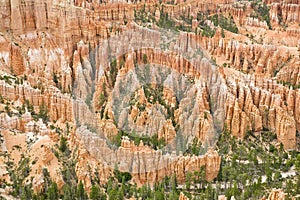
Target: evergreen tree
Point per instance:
(113, 194)
(63, 144)
(43, 113)
(145, 59)
(222, 33)
(188, 180)
(95, 192)
(52, 192)
(81, 194)
(27, 193)
(67, 193)
(120, 194)
(174, 183)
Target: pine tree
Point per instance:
(63, 144)
(81, 194)
(188, 180)
(67, 194)
(222, 33)
(174, 183)
(95, 192)
(52, 192)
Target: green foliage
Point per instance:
(223, 35)
(233, 191)
(88, 100)
(68, 192)
(145, 59)
(52, 192)
(142, 16)
(68, 173)
(152, 141)
(81, 193)
(261, 11)
(187, 19)
(207, 31)
(268, 136)
(96, 193)
(166, 189)
(174, 183)
(165, 21)
(102, 99)
(18, 175)
(55, 78)
(29, 107)
(27, 192)
(21, 109)
(272, 148)
(8, 110)
(23, 190)
(194, 148)
(289, 84)
(63, 145)
(1, 99)
(155, 95)
(242, 166)
(145, 17)
(122, 176)
(9, 79)
(113, 72)
(218, 20)
(117, 139)
(224, 22)
(188, 180)
(43, 113)
(201, 16)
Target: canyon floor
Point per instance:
(169, 99)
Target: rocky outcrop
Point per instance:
(59, 106)
(290, 73)
(252, 102)
(191, 8)
(63, 55)
(284, 12)
(276, 194)
(258, 107)
(47, 160)
(248, 58)
(14, 122)
(145, 164)
(67, 23)
(36, 58)
(256, 23)
(168, 132)
(83, 72)
(37, 149)
(16, 60)
(183, 197)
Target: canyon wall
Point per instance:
(145, 164)
(61, 54)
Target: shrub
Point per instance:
(145, 60)
(63, 144)
(122, 176)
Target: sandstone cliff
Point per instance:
(145, 164)
(91, 65)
